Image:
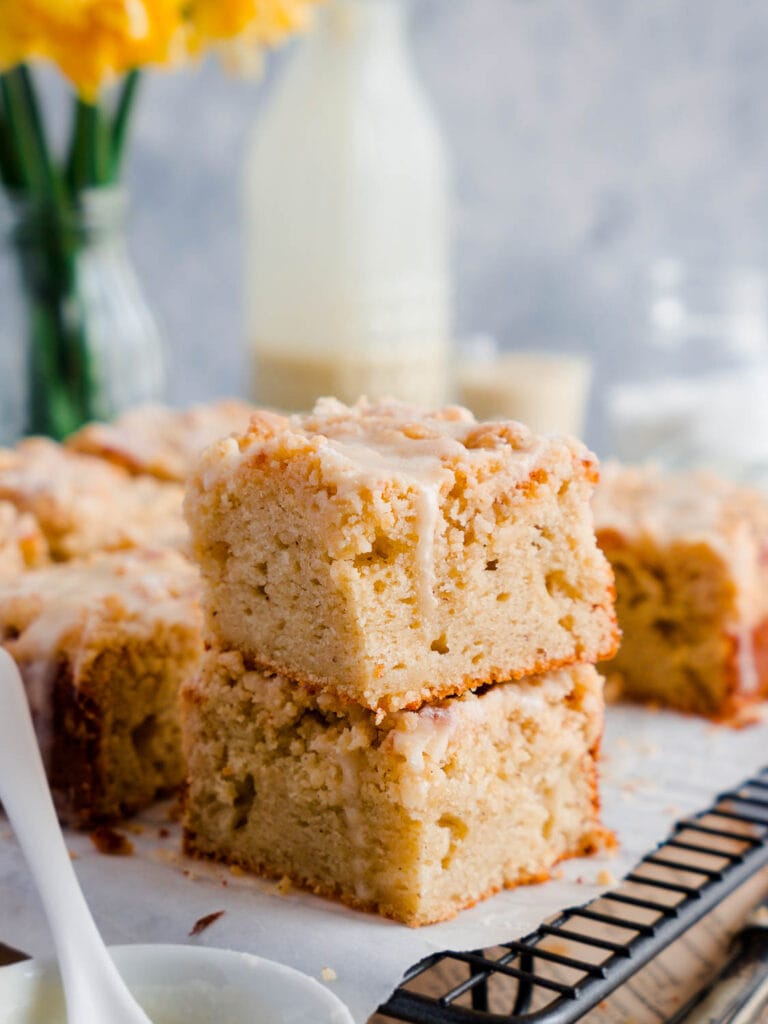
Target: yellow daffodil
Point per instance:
(264, 22)
(91, 41)
(94, 41)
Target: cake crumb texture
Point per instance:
(690, 556)
(395, 556)
(103, 646)
(417, 814)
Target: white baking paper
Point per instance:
(657, 767)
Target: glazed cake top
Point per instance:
(160, 441)
(44, 606)
(375, 442)
(38, 466)
(425, 737)
(22, 543)
(84, 503)
(363, 449)
(668, 507)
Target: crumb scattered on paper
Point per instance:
(110, 842)
(205, 922)
(606, 877)
(175, 812)
(639, 784)
(167, 856)
(328, 974)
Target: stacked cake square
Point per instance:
(398, 705)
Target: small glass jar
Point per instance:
(92, 347)
(695, 391)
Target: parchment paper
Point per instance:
(657, 767)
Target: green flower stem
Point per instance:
(10, 172)
(90, 161)
(63, 389)
(123, 111)
(77, 162)
(25, 127)
(19, 134)
(61, 385)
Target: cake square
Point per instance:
(22, 544)
(690, 555)
(84, 504)
(160, 441)
(415, 814)
(394, 556)
(103, 646)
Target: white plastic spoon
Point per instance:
(94, 991)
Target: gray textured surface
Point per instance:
(588, 137)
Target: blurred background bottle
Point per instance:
(348, 285)
(694, 393)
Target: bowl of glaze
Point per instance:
(182, 985)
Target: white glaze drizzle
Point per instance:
(66, 594)
(370, 446)
(392, 442)
(348, 762)
(425, 737)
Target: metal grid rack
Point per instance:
(571, 963)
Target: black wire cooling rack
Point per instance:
(568, 965)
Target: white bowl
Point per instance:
(182, 985)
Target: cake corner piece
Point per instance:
(689, 552)
(103, 646)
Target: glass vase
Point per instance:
(92, 347)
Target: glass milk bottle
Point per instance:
(348, 280)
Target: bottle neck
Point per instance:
(352, 23)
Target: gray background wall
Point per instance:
(588, 138)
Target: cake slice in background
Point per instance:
(103, 646)
(160, 441)
(690, 556)
(84, 504)
(394, 556)
(416, 814)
